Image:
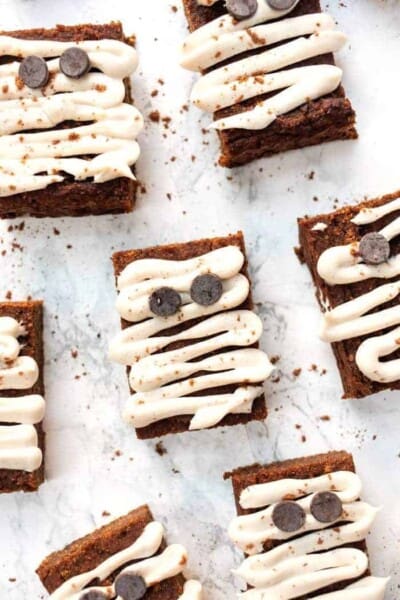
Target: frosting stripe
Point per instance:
(342, 265)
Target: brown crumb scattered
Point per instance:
(74, 353)
(275, 359)
(160, 449)
(324, 418)
(310, 176)
(296, 372)
(105, 513)
(155, 116)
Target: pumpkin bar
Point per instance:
(67, 115)
(21, 396)
(127, 558)
(189, 337)
(302, 527)
(353, 256)
(242, 86)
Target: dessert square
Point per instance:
(127, 558)
(68, 127)
(189, 337)
(22, 404)
(353, 256)
(267, 74)
(302, 527)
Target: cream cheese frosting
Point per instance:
(312, 558)
(140, 558)
(19, 447)
(343, 265)
(31, 161)
(300, 38)
(164, 382)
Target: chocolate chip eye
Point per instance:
(130, 587)
(288, 516)
(206, 289)
(93, 595)
(281, 4)
(374, 248)
(165, 302)
(74, 63)
(326, 507)
(241, 9)
(34, 72)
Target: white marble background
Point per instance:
(94, 462)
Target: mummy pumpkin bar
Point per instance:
(312, 543)
(365, 272)
(49, 82)
(21, 411)
(146, 566)
(230, 82)
(190, 336)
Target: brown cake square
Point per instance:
(88, 554)
(30, 315)
(71, 195)
(317, 515)
(327, 118)
(187, 252)
(324, 233)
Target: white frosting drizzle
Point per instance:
(343, 265)
(261, 73)
(155, 376)
(145, 562)
(313, 561)
(18, 443)
(35, 160)
(192, 591)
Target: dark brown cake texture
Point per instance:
(30, 315)
(87, 553)
(339, 231)
(183, 252)
(323, 120)
(73, 198)
(298, 468)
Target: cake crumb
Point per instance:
(160, 449)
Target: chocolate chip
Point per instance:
(206, 289)
(326, 507)
(130, 587)
(165, 302)
(74, 62)
(241, 9)
(34, 72)
(288, 516)
(93, 595)
(281, 4)
(374, 248)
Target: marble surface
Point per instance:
(96, 469)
